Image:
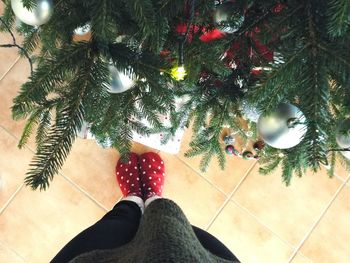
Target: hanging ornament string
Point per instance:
(179, 71)
(14, 44)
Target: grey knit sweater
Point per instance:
(164, 236)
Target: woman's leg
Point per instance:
(115, 229)
(212, 244)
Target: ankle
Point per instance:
(151, 199)
(137, 200)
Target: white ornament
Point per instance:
(343, 137)
(37, 16)
(284, 128)
(249, 112)
(119, 81)
(82, 30)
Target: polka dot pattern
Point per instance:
(152, 174)
(128, 176)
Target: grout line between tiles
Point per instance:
(246, 210)
(11, 199)
(339, 178)
(63, 176)
(302, 242)
(69, 180)
(230, 196)
(201, 175)
(13, 251)
(9, 69)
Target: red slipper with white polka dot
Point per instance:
(152, 174)
(128, 176)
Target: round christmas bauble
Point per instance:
(248, 155)
(230, 150)
(249, 112)
(284, 128)
(343, 137)
(229, 139)
(119, 81)
(37, 16)
(83, 30)
(226, 17)
(259, 145)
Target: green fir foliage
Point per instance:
(69, 85)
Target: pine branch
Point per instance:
(28, 128)
(102, 21)
(43, 128)
(52, 153)
(338, 17)
(43, 81)
(142, 11)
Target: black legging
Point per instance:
(124, 219)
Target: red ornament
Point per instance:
(182, 29)
(211, 35)
(165, 52)
(278, 8)
(263, 50)
(256, 72)
(218, 83)
(257, 29)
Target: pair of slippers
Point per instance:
(141, 176)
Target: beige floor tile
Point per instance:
(300, 258)
(8, 255)
(288, 211)
(227, 179)
(13, 166)
(93, 169)
(7, 55)
(246, 238)
(9, 87)
(341, 170)
(329, 242)
(199, 200)
(38, 224)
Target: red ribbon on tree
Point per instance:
(207, 35)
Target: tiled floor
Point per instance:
(257, 217)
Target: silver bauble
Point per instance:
(119, 81)
(284, 128)
(37, 16)
(83, 30)
(343, 137)
(250, 113)
(226, 19)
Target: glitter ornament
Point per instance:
(250, 113)
(229, 139)
(83, 30)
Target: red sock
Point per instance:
(128, 176)
(152, 174)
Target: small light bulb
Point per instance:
(179, 73)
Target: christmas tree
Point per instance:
(231, 60)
